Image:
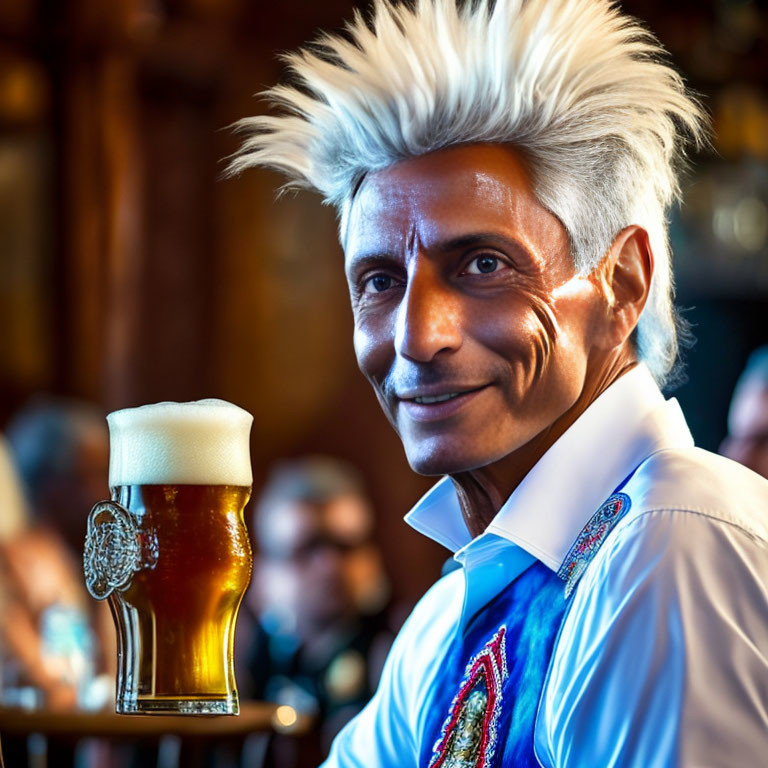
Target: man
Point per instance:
(320, 590)
(747, 438)
(502, 172)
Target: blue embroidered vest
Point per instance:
(484, 705)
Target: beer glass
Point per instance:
(171, 553)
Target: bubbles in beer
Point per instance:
(205, 442)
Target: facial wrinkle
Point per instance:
(523, 375)
(412, 242)
(545, 337)
(410, 375)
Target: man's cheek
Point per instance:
(364, 343)
(524, 326)
(373, 341)
(374, 359)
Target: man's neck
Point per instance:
(483, 491)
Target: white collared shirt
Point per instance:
(662, 659)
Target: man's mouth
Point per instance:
(427, 400)
(427, 397)
(438, 405)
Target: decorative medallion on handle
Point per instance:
(115, 549)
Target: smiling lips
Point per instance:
(427, 400)
(439, 406)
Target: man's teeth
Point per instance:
(436, 399)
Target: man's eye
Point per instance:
(484, 265)
(377, 284)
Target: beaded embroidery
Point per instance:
(468, 737)
(590, 539)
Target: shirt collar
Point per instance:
(595, 456)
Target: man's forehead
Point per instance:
(441, 196)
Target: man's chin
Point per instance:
(438, 463)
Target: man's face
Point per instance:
(470, 320)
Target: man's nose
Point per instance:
(429, 317)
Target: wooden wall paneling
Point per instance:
(123, 181)
(175, 323)
(282, 312)
(101, 165)
(25, 228)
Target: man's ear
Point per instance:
(625, 278)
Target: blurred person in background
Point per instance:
(61, 448)
(747, 438)
(319, 592)
(15, 629)
(14, 513)
(60, 642)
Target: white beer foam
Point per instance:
(205, 442)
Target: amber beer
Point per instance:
(171, 553)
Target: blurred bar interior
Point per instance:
(131, 273)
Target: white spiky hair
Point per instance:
(580, 89)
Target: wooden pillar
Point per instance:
(102, 222)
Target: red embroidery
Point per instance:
(468, 737)
(591, 538)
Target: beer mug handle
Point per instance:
(115, 549)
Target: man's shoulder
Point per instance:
(673, 606)
(696, 533)
(718, 491)
(433, 619)
(439, 609)
(422, 642)
(690, 510)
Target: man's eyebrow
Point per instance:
(359, 263)
(481, 238)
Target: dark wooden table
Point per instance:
(198, 734)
